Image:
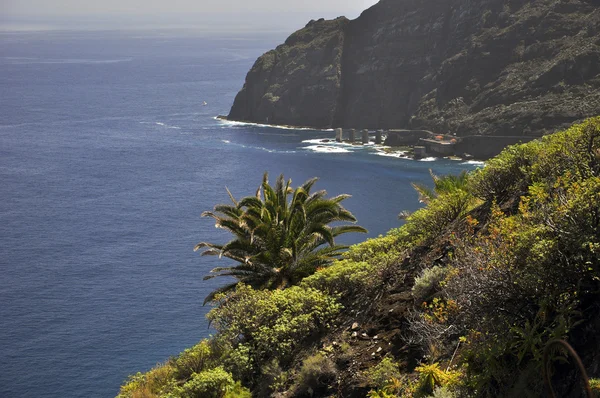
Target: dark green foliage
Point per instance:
(195, 360)
(316, 375)
(281, 235)
(506, 176)
(380, 375)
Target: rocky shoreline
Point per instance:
(418, 144)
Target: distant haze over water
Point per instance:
(206, 16)
(216, 23)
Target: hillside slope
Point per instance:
(464, 297)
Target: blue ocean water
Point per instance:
(107, 159)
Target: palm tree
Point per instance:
(280, 235)
(441, 185)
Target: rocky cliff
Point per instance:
(488, 67)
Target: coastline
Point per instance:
(406, 151)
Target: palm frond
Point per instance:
(231, 196)
(404, 214)
(209, 245)
(426, 194)
(339, 198)
(308, 184)
(251, 202)
(223, 289)
(344, 229)
(228, 210)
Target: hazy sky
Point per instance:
(351, 8)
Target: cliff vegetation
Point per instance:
(459, 301)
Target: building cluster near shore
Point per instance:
(426, 143)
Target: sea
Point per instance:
(110, 150)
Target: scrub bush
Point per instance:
(381, 374)
(316, 374)
(428, 283)
(272, 324)
(213, 383)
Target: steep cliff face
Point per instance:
(298, 83)
(489, 67)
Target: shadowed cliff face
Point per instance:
(490, 67)
(298, 83)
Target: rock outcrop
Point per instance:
(488, 67)
(299, 82)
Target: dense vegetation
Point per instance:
(459, 301)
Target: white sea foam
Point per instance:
(399, 155)
(320, 141)
(326, 149)
(474, 162)
(161, 124)
(259, 148)
(429, 159)
(280, 135)
(332, 141)
(274, 126)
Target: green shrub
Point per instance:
(272, 324)
(133, 384)
(342, 278)
(395, 387)
(572, 153)
(442, 392)
(428, 223)
(428, 282)
(273, 379)
(380, 375)
(595, 386)
(381, 249)
(155, 382)
(316, 374)
(213, 383)
(238, 391)
(380, 393)
(431, 376)
(239, 362)
(541, 227)
(507, 175)
(194, 360)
